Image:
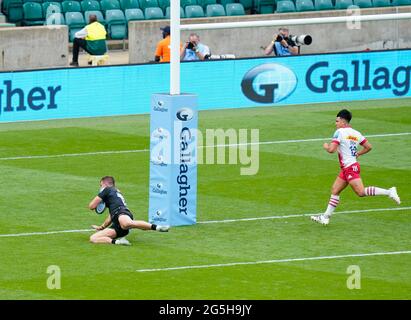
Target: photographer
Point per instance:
(281, 44)
(193, 49)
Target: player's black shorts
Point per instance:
(116, 225)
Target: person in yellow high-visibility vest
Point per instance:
(92, 38)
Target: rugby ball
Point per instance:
(101, 207)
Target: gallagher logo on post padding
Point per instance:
(184, 114)
(269, 83)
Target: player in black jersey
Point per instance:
(120, 217)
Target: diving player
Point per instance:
(120, 217)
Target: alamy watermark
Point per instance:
(213, 146)
(354, 278)
(354, 12)
(54, 279)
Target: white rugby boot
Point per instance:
(321, 219)
(123, 241)
(163, 228)
(394, 195)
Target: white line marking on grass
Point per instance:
(64, 155)
(43, 233)
(74, 154)
(302, 215)
(213, 221)
(219, 265)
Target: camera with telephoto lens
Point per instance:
(301, 40)
(191, 46)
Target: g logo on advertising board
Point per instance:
(269, 83)
(184, 114)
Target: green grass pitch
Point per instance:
(51, 194)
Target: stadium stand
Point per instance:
(98, 14)
(153, 13)
(247, 4)
(164, 4)
(323, 5)
(14, 12)
(129, 4)
(144, 4)
(33, 14)
(343, 4)
(185, 3)
(205, 3)
(285, 6)
(134, 14)
(304, 5)
(215, 10)
(50, 8)
(70, 6)
(381, 3)
(54, 18)
(13, 9)
(401, 2)
(36, 12)
(363, 3)
(90, 5)
(234, 9)
(75, 22)
(264, 6)
(109, 5)
(167, 13)
(194, 11)
(116, 24)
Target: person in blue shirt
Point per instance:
(281, 44)
(193, 49)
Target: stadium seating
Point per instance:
(225, 2)
(50, 8)
(134, 14)
(194, 11)
(144, 4)
(13, 10)
(247, 4)
(323, 5)
(90, 5)
(205, 3)
(116, 24)
(164, 4)
(343, 4)
(129, 4)
(265, 6)
(75, 22)
(153, 13)
(109, 5)
(54, 18)
(234, 9)
(215, 10)
(284, 6)
(401, 2)
(70, 6)
(98, 14)
(381, 3)
(363, 3)
(167, 13)
(38, 1)
(185, 3)
(32, 14)
(304, 5)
